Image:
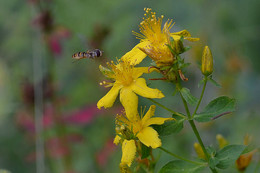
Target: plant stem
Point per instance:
(179, 157)
(164, 107)
(194, 128)
(202, 93)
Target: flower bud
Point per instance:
(199, 150)
(178, 46)
(105, 71)
(222, 142)
(207, 62)
(244, 160)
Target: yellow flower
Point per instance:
(128, 83)
(128, 152)
(154, 40)
(141, 130)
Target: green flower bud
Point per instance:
(106, 71)
(178, 46)
(207, 62)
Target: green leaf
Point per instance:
(228, 155)
(145, 151)
(169, 46)
(170, 127)
(249, 148)
(211, 151)
(214, 82)
(180, 166)
(217, 107)
(213, 161)
(188, 97)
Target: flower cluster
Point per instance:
(162, 47)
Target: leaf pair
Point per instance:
(216, 108)
(222, 160)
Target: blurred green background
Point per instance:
(37, 39)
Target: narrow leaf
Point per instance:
(188, 97)
(217, 107)
(180, 166)
(185, 65)
(228, 155)
(201, 82)
(214, 82)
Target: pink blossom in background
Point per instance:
(104, 154)
(54, 44)
(56, 148)
(48, 116)
(82, 116)
(55, 39)
(25, 120)
(75, 138)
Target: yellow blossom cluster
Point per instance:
(132, 127)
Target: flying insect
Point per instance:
(89, 54)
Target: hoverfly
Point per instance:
(89, 54)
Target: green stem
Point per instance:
(179, 157)
(164, 107)
(194, 128)
(186, 106)
(202, 93)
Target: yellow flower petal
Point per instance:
(192, 39)
(183, 33)
(135, 56)
(117, 140)
(109, 99)
(138, 71)
(140, 88)
(129, 101)
(156, 120)
(128, 152)
(149, 113)
(149, 137)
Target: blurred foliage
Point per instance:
(230, 28)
